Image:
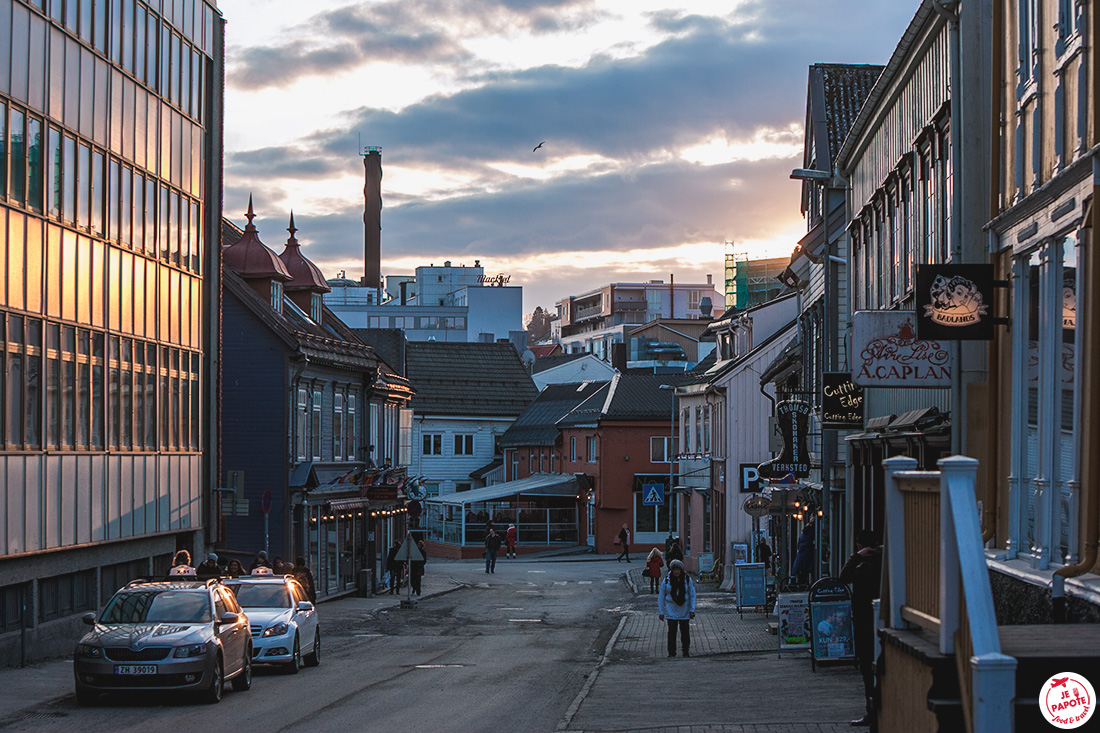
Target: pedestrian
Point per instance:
(235, 569)
(669, 542)
(209, 568)
(181, 565)
(305, 578)
(492, 547)
(394, 566)
(260, 561)
(510, 540)
(764, 554)
(863, 571)
(624, 540)
(416, 568)
(676, 604)
(653, 565)
(804, 555)
(676, 552)
(278, 566)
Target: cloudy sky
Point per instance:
(670, 128)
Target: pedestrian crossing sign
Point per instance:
(653, 494)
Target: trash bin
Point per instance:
(366, 583)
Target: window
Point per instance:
(338, 425)
(652, 520)
(573, 449)
(706, 430)
(65, 595)
(464, 444)
(590, 447)
(515, 465)
(349, 445)
(315, 425)
(433, 444)
(552, 456)
(662, 449)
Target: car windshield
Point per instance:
(157, 606)
(261, 595)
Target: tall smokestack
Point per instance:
(372, 220)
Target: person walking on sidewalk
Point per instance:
(510, 540)
(676, 604)
(394, 566)
(416, 568)
(864, 572)
(624, 540)
(653, 565)
(676, 552)
(492, 547)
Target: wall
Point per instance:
(497, 311)
(449, 469)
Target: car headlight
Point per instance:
(277, 630)
(87, 650)
(188, 651)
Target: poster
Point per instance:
(832, 627)
(740, 553)
(750, 588)
(706, 562)
(794, 621)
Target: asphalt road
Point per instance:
(505, 652)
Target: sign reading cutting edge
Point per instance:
(954, 301)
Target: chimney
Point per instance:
(710, 279)
(671, 295)
(372, 221)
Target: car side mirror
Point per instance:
(304, 606)
(229, 618)
(88, 619)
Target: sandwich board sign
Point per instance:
(653, 494)
(751, 589)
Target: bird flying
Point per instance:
(538, 146)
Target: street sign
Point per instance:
(413, 508)
(236, 480)
(265, 502)
(409, 551)
(233, 508)
(653, 494)
(750, 478)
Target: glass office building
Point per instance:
(110, 170)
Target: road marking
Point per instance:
(509, 609)
(438, 666)
(528, 591)
(536, 571)
(526, 620)
(561, 582)
(584, 582)
(362, 635)
(611, 581)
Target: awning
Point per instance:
(540, 484)
(348, 503)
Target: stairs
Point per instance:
(1043, 651)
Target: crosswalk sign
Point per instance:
(653, 494)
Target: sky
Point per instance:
(670, 129)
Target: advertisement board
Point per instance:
(953, 302)
(751, 585)
(831, 620)
(793, 610)
(887, 353)
(841, 401)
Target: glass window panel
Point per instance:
(185, 231)
(174, 306)
(15, 259)
(196, 415)
(150, 300)
(32, 423)
(53, 378)
(83, 185)
(196, 84)
(100, 102)
(68, 276)
(185, 310)
(15, 396)
(164, 166)
(126, 292)
(129, 134)
(5, 58)
(116, 115)
(3, 148)
(83, 405)
(99, 199)
(72, 83)
(68, 173)
(165, 316)
(116, 31)
(114, 196)
(185, 78)
(35, 173)
(141, 126)
(165, 61)
(83, 278)
(36, 64)
(98, 255)
(57, 72)
(138, 236)
(53, 271)
(127, 35)
(20, 49)
(87, 82)
(17, 152)
(100, 35)
(139, 296)
(53, 172)
(3, 290)
(150, 407)
(150, 217)
(152, 133)
(114, 289)
(126, 413)
(174, 227)
(125, 207)
(70, 15)
(139, 40)
(196, 312)
(33, 264)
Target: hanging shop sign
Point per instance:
(887, 353)
(841, 401)
(954, 302)
(794, 420)
(756, 506)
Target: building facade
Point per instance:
(110, 198)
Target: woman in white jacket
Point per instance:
(676, 604)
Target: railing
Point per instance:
(938, 579)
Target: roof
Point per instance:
(304, 274)
(543, 350)
(468, 379)
(542, 363)
(538, 423)
(248, 256)
(640, 397)
(846, 87)
(539, 484)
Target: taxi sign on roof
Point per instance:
(262, 570)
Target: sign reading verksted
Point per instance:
(887, 353)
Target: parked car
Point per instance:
(186, 635)
(284, 621)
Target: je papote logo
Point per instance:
(1067, 700)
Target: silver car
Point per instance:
(284, 622)
(165, 635)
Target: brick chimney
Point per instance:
(372, 220)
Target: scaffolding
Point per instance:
(750, 282)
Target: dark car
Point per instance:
(183, 635)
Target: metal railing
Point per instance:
(938, 579)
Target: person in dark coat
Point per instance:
(416, 569)
(669, 541)
(764, 555)
(863, 571)
(624, 540)
(305, 578)
(676, 552)
(235, 569)
(492, 547)
(209, 568)
(394, 566)
(260, 561)
(804, 556)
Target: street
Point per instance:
(537, 646)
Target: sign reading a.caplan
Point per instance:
(954, 302)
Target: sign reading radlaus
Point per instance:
(887, 353)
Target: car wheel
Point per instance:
(314, 657)
(86, 698)
(295, 663)
(243, 680)
(213, 693)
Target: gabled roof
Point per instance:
(542, 363)
(640, 397)
(538, 423)
(468, 379)
(543, 350)
(845, 88)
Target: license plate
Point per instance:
(135, 669)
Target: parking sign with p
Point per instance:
(750, 478)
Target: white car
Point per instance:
(282, 619)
